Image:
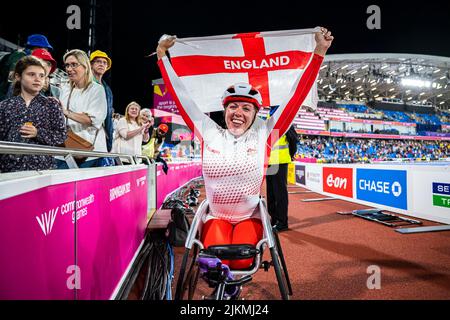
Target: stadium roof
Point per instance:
(409, 78)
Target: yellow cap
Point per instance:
(101, 54)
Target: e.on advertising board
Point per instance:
(338, 181)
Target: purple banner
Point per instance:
(162, 99)
(178, 175)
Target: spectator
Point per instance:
(84, 105)
(49, 89)
(365, 150)
(151, 149)
(100, 63)
(8, 62)
(156, 140)
(29, 117)
(146, 117)
(131, 132)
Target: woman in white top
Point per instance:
(84, 104)
(131, 132)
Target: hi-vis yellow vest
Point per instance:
(280, 152)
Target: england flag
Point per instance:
(270, 61)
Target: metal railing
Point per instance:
(68, 154)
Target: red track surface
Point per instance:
(328, 254)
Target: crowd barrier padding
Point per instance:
(70, 234)
(178, 175)
(73, 234)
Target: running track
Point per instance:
(328, 254)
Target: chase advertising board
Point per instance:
(386, 187)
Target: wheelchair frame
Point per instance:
(188, 280)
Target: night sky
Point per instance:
(129, 30)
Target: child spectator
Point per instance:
(29, 117)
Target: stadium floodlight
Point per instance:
(414, 82)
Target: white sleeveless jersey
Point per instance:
(234, 168)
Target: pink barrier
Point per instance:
(178, 175)
(111, 233)
(37, 244)
(48, 254)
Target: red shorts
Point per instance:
(220, 232)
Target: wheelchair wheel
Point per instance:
(185, 278)
(279, 273)
(283, 263)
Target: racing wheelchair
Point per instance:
(206, 262)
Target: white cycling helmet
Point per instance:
(242, 92)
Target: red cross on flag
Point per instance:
(270, 61)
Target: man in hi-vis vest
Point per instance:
(276, 182)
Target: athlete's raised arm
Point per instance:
(191, 113)
(282, 119)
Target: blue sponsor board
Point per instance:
(386, 187)
(441, 188)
